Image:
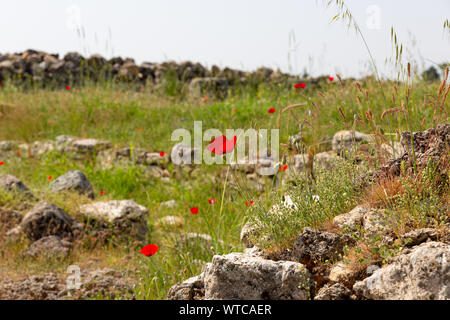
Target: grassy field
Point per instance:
(137, 117)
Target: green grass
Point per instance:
(116, 112)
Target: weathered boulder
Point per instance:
(351, 219)
(376, 221)
(106, 282)
(371, 269)
(319, 246)
(416, 237)
(430, 146)
(37, 148)
(267, 164)
(237, 276)
(373, 221)
(336, 291)
(80, 148)
(46, 219)
(393, 152)
(182, 154)
(73, 181)
(190, 289)
(322, 160)
(346, 140)
(421, 273)
(13, 184)
(49, 247)
(153, 158)
(63, 141)
(344, 273)
(7, 146)
(126, 216)
(170, 222)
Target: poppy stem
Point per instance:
(223, 192)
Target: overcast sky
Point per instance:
(242, 34)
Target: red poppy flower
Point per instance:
(51, 123)
(162, 154)
(221, 145)
(300, 85)
(140, 130)
(194, 210)
(102, 192)
(272, 110)
(68, 87)
(2, 163)
(283, 168)
(19, 153)
(149, 250)
(50, 178)
(249, 203)
(205, 99)
(212, 201)
(331, 79)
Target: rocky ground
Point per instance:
(312, 268)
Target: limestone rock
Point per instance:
(333, 292)
(13, 184)
(183, 154)
(237, 276)
(46, 219)
(126, 216)
(49, 247)
(190, 289)
(346, 140)
(319, 246)
(343, 272)
(422, 273)
(79, 148)
(430, 146)
(418, 236)
(172, 222)
(322, 160)
(351, 219)
(73, 181)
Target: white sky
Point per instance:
(242, 34)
